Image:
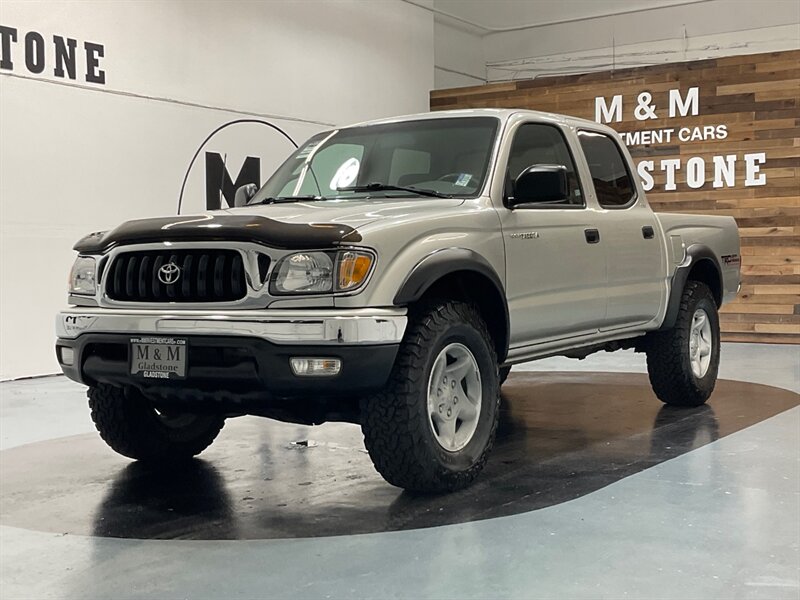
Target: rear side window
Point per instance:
(612, 181)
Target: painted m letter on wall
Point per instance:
(219, 183)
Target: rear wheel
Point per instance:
(683, 361)
(432, 427)
(504, 372)
(131, 426)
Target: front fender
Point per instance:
(436, 265)
(477, 280)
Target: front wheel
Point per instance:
(432, 427)
(683, 361)
(131, 426)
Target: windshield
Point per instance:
(445, 157)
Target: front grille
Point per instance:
(203, 276)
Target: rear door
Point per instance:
(555, 271)
(629, 233)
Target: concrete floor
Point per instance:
(719, 521)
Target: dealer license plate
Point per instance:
(159, 357)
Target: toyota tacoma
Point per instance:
(389, 274)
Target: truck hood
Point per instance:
(297, 225)
(355, 213)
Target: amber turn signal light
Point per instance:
(353, 269)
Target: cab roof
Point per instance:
(500, 113)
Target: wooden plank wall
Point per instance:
(757, 97)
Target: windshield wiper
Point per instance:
(286, 199)
(385, 187)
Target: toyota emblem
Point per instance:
(169, 273)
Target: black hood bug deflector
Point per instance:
(222, 228)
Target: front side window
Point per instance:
(447, 157)
(539, 144)
(613, 184)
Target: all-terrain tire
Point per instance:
(397, 431)
(130, 425)
(669, 352)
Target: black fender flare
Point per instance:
(443, 262)
(696, 253)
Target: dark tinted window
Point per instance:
(612, 182)
(537, 144)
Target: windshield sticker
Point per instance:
(463, 179)
(303, 154)
(346, 174)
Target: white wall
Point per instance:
(77, 157)
(460, 59)
(577, 40)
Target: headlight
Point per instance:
(304, 273)
(321, 272)
(82, 276)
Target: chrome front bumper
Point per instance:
(329, 326)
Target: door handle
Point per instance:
(648, 232)
(592, 236)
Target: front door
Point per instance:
(555, 268)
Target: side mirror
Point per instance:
(244, 193)
(540, 184)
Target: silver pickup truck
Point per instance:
(390, 274)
